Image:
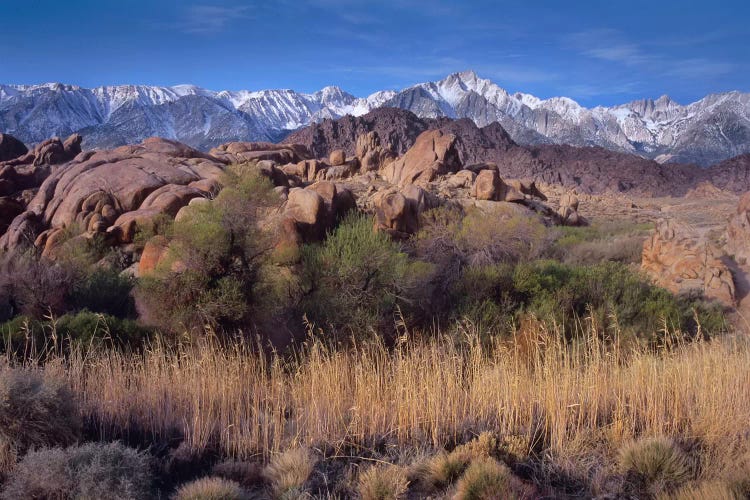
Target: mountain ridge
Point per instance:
(707, 131)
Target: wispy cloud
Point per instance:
(211, 19)
(612, 46)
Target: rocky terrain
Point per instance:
(705, 132)
(587, 169)
(390, 164)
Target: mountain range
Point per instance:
(705, 132)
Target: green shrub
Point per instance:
(607, 291)
(101, 471)
(211, 488)
(357, 278)
(36, 410)
(23, 335)
(85, 326)
(219, 249)
(104, 291)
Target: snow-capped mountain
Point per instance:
(704, 132)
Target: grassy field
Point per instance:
(562, 413)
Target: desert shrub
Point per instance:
(25, 336)
(357, 278)
(288, 472)
(161, 224)
(32, 286)
(382, 482)
(487, 479)
(617, 241)
(488, 239)
(607, 292)
(36, 411)
(217, 252)
(104, 291)
(480, 239)
(444, 468)
(102, 471)
(211, 488)
(485, 296)
(85, 326)
(655, 465)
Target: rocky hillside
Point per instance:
(705, 132)
(587, 169)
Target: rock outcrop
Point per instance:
(241, 152)
(589, 170)
(371, 154)
(310, 212)
(397, 212)
(434, 153)
(568, 210)
(489, 186)
(738, 232)
(50, 152)
(683, 262)
(114, 192)
(11, 148)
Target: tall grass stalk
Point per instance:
(550, 393)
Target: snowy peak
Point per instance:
(706, 131)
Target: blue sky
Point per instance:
(597, 52)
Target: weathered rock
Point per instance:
(129, 175)
(170, 199)
(568, 211)
(738, 231)
(487, 185)
(309, 169)
(337, 157)
(154, 252)
(11, 148)
(242, 152)
(22, 232)
(434, 153)
(372, 156)
(528, 188)
(462, 179)
(9, 210)
(397, 212)
(307, 208)
(680, 260)
(268, 169)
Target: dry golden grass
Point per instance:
(710, 490)
(382, 482)
(657, 463)
(211, 488)
(488, 479)
(288, 472)
(564, 401)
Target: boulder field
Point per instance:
(56, 192)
